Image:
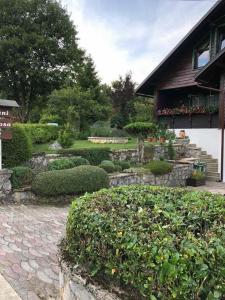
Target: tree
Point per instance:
(141, 130)
(122, 97)
(76, 104)
(38, 49)
(144, 110)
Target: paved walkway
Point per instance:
(213, 187)
(28, 246)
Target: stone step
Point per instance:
(205, 156)
(192, 145)
(213, 174)
(203, 153)
(210, 160)
(214, 179)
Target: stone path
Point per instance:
(213, 187)
(28, 249)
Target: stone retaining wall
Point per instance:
(5, 183)
(178, 177)
(108, 140)
(74, 287)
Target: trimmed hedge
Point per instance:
(17, 150)
(21, 176)
(67, 163)
(123, 164)
(41, 133)
(71, 181)
(154, 242)
(108, 166)
(159, 167)
(94, 155)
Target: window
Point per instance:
(221, 39)
(202, 55)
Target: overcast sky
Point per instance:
(132, 35)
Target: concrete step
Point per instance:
(192, 145)
(205, 156)
(203, 153)
(214, 179)
(213, 174)
(210, 160)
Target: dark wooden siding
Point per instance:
(180, 73)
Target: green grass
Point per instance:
(132, 144)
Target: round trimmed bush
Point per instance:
(159, 167)
(108, 166)
(71, 181)
(67, 163)
(123, 164)
(155, 242)
(21, 176)
(17, 150)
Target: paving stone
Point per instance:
(42, 276)
(27, 267)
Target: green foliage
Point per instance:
(83, 135)
(67, 163)
(108, 166)
(141, 129)
(171, 151)
(17, 150)
(66, 137)
(101, 131)
(41, 133)
(123, 164)
(21, 176)
(198, 175)
(71, 181)
(159, 167)
(144, 110)
(149, 151)
(155, 242)
(94, 155)
(35, 59)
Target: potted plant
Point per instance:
(197, 178)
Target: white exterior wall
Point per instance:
(209, 139)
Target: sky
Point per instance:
(132, 35)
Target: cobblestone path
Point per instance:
(28, 246)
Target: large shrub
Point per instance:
(21, 176)
(94, 155)
(123, 164)
(18, 149)
(66, 137)
(108, 166)
(41, 133)
(71, 181)
(67, 163)
(158, 243)
(159, 167)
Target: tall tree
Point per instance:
(38, 49)
(122, 97)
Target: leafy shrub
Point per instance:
(158, 243)
(149, 151)
(171, 151)
(141, 128)
(116, 132)
(198, 175)
(123, 164)
(108, 166)
(21, 176)
(83, 135)
(101, 131)
(66, 137)
(159, 167)
(41, 133)
(94, 155)
(67, 163)
(17, 150)
(71, 181)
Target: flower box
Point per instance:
(195, 182)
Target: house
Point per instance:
(188, 86)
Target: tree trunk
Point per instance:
(141, 150)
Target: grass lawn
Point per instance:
(132, 144)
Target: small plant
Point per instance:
(141, 130)
(123, 164)
(67, 163)
(171, 151)
(158, 167)
(21, 176)
(198, 175)
(108, 166)
(66, 137)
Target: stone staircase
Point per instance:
(212, 163)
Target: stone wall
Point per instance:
(39, 162)
(5, 183)
(108, 140)
(178, 177)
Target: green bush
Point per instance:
(171, 151)
(123, 164)
(101, 131)
(149, 151)
(71, 181)
(141, 128)
(94, 155)
(159, 167)
(154, 242)
(41, 133)
(108, 166)
(67, 163)
(21, 176)
(66, 137)
(17, 150)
